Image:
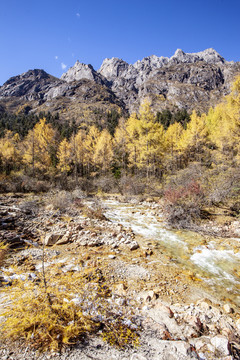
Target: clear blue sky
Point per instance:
(53, 34)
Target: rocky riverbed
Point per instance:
(178, 316)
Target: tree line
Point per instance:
(144, 144)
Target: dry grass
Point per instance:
(3, 252)
(59, 308)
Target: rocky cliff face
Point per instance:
(82, 71)
(204, 77)
(32, 85)
(190, 81)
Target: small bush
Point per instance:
(106, 184)
(183, 204)
(132, 185)
(94, 212)
(61, 308)
(23, 183)
(29, 207)
(223, 185)
(61, 200)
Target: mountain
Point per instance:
(189, 81)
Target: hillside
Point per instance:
(185, 81)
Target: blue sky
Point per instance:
(53, 34)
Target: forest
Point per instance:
(181, 157)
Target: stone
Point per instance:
(134, 246)
(78, 227)
(64, 240)
(166, 309)
(172, 350)
(120, 237)
(149, 296)
(227, 308)
(138, 357)
(52, 238)
(238, 323)
(204, 305)
(120, 289)
(221, 344)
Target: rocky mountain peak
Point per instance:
(82, 71)
(79, 71)
(210, 56)
(186, 80)
(112, 68)
(30, 75)
(31, 84)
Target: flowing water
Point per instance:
(215, 261)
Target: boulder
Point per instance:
(221, 345)
(52, 238)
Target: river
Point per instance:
(215, 261)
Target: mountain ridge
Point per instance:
(184, 80)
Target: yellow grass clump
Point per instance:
(58, 308)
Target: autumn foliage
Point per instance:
(139, 146)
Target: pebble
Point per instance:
(227, 308)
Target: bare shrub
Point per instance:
(195, 171)
(223, 185)
(30, 207)
(86, 185)
(106, 184)
(24, 184)
(95, 211)
(132, 185)
(61, 200)
(183, 204)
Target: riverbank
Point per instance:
(179, 317)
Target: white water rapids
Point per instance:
(216, 261)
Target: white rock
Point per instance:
(134, 246)
(52, 238)
(221, 344)
(138, 357)
(227, 308)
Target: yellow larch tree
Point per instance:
(120, 145)
(79, 151)
(9, 151)
(104, 152)
(90, 142)
(194, 143)
(172, 139)
(132, 129)
(151, 141)
(64, 156)
(39, 146)
(223, 123)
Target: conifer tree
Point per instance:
(120, 145)
(172, 139)
(9, 151)
(64, 156)
(39, 147)
(194, 143)
(90, 146)
(103, 152)
(79, 152)
(132, 128)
